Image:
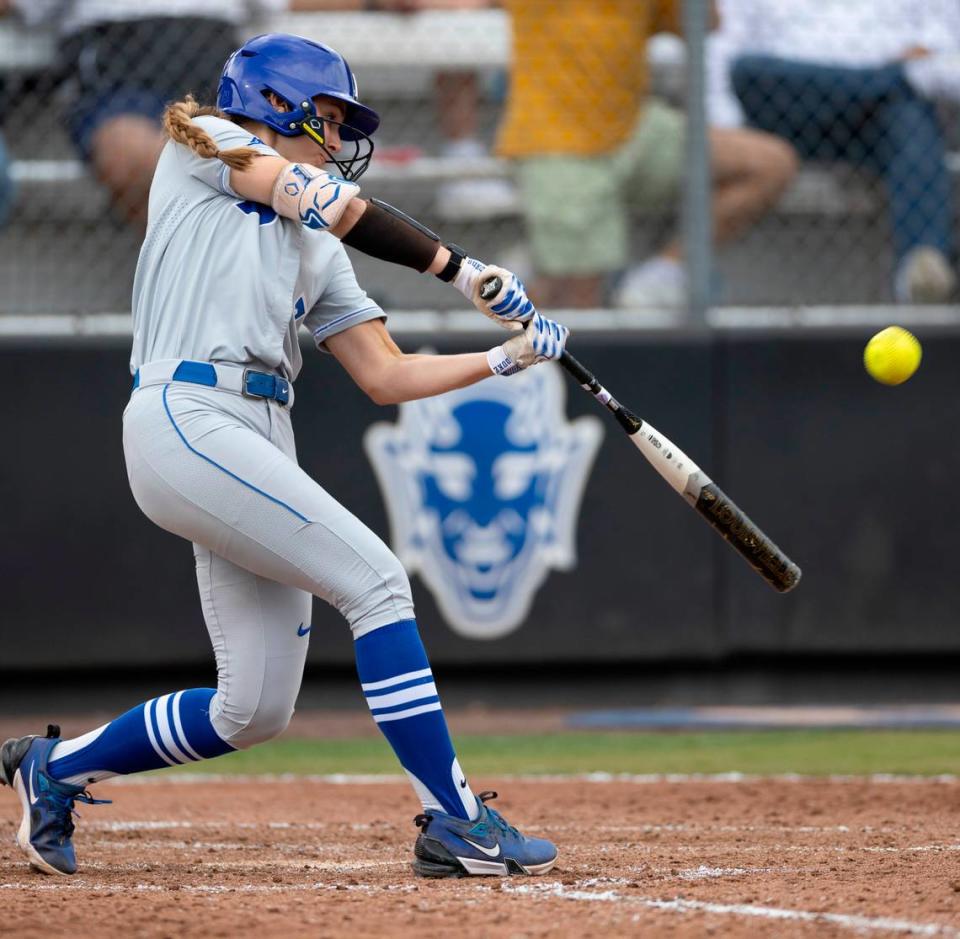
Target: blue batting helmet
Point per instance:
(297, 70)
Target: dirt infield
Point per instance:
(685, 857)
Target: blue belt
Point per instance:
(251, 384)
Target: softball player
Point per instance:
(243, 248)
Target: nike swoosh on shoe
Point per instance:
(489, 852)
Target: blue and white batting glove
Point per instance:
(541, 340)
(508, 307)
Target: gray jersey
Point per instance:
(222, 279)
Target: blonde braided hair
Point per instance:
(177, 119)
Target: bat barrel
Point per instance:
(731, 523)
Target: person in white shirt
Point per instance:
(854, 80)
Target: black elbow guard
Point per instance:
(388, 234)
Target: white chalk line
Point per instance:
(538, 891)
(362, 779)
(592, 890)
(852, 921)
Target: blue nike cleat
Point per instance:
(454, 847)
(47, 823)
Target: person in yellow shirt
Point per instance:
(592, 146)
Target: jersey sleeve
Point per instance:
(227, 135)
(342, 304)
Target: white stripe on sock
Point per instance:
(166, 734)
(179, 726)
(66, 747)
(427, 799)
(153, 740)
(415, 693)
(409, 712)
(469, 800)
(396, 680)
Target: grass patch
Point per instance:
(810, 752)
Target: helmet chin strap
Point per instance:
(312, 126)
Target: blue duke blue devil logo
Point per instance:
(483, 489)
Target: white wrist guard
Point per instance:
(541, 340)
(500, 362)
(468, 276)
(311, 196)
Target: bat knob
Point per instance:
(490, 287)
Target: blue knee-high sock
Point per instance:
(396, 679)
(166, 731)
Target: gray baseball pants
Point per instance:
(220, 470)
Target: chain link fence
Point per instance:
(866, 93)
(862, 93)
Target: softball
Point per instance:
(892, 356)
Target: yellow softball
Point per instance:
(892, 356)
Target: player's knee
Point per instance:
(261, 727)
(246, 727)
(388, 601)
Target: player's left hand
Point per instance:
(541, 340)
(510, 305)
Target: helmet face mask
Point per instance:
(350, 166)
(298, 70)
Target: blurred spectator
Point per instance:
(593, 147)
(6, 184)
(458, 95)
(121, 61)
(458, 104)
(853, 81)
